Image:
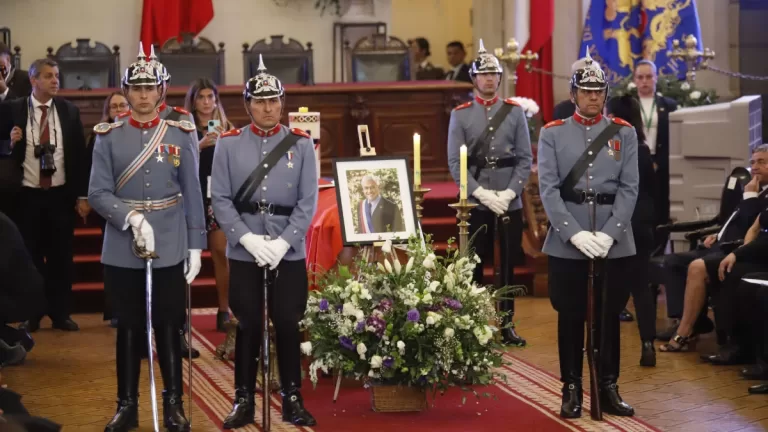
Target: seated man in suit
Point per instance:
(14, 83)
(687, 274)
(375, 213)
(456, 54)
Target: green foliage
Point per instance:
(423, 324)
(670, 86)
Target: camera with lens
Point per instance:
(44, 152)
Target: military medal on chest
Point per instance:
(614, 149)
(173, 152)
(289, 155)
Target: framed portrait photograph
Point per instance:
(375, 200)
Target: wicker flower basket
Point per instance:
(397, 398)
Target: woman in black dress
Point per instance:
(628, 108)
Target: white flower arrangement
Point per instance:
(531, 109)
(424, 324)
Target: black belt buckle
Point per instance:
(591, 197)
(266, 208)
(491, 162)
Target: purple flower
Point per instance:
(339, 308)
(388, 362)
(323, 305)
(346, 343)
(413, 315)
(360, 327)
(453, 304)
(385, 305)
(378, 324)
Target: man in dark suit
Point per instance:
(424, 68)
(460, 70)
(695, 269)
(14, 83)
(375, 213)
(656, 111)
(48, 145)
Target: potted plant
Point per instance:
(407, 328)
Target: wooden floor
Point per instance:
(70, 378)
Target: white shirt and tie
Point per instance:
(31, 163)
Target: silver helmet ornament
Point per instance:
(589, 77)
(263, 85)
(159, 66)
(142, 72)
(485, 62)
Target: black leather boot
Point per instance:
(169, 357)
(185, 348)
(243, 408)
(573, 398)
(509, 335)
(128, 367)
(648, 354)
(293, 407)
(611, 402)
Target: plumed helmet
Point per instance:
(589, 77)
(159, 66)
(485, 62)
(263, 85)
(141, 72)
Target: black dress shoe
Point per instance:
(727, 357)
(755, 372)
(648, 355)
(11, 355)
(30, 326)
(626, 316)
(26, 341)
(66, 325)
(758, 389)
(243, 410)
(509, 336)
(126, 418)
(185, 348)
(294, 411)
(572, 400)
(611, 402)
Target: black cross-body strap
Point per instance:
(589, 155)
(481, 143)
(173, 116)
(257, 176)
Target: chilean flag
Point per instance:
(165, 19)
(538, 39)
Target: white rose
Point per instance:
(306, 348)
(430, 320)
(387, 247)
(401, 347)
(361, 349)
(448, 333)
(695, 94)
(685, 86)
(348, 309)
(359, 315)
(376, 362)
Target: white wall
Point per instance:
(118, 22)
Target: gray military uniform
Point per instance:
(511, 139)
(292, 182)
(170, 172)
(561, 143)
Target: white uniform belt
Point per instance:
(154, 205)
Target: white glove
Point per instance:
(254, 244)
(587, 243)
(192, 265)
(502, 204)
(273, 252)
(143, 231)
(605, 241)
(486, 197)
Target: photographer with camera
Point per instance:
(47, 147)
(14, 83)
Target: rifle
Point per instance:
(593, 353)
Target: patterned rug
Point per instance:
(529, 401)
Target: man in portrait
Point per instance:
(376, 213)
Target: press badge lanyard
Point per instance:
(648, 118)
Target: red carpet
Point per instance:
(529, 402)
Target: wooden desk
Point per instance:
(392, 111)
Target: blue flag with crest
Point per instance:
(619, 33)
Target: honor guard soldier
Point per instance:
(174, 113)
(499, 163)
(264, 195)
(144, 182)
(588, 178)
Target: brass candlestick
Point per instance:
(463, 209)
(693, 58)
(418, 197)
(512, 58)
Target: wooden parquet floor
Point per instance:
(70, 378)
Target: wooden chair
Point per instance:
(291, 62)
(192, 58)
(379, 59)
(348, 33)
(86, 67)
